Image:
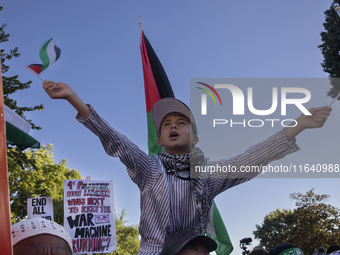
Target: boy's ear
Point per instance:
(195, 140)
(160, 141)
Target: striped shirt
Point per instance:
(167, 203)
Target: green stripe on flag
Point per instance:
(221, 237)
(19, 138)
(153, 145)
(44, 56)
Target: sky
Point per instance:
(100, 59)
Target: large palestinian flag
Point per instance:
(17, 130)
(157, 86)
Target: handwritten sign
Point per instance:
(40, 207)
(89, 215)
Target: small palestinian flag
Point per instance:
(49, 53)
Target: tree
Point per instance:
(127, 237)
(12, 84)
(274, 229)
(32, 174)
(312, 224)
(330, 49)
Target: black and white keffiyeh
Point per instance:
(179, 164)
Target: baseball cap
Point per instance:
(170, 104)
(176, 241)
(286, 249)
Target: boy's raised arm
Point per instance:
(316, 120)
(60, 90)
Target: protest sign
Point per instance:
(89, 215)
(40, 207)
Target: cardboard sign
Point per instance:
(89, 216)
(40, 207)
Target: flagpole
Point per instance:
(141, 30)
(335, 99)
(34, 73)
(5, 209)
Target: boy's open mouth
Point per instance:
(173, 135)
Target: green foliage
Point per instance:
(312, 224)
(274, 229)
(127, 237)
(12, 84)
(32, 174)
(330, 49)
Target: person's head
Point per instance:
(286, 249)
(320, 251)
(336, 252)
(332, 248)
(259, 251)
(40, 236)
(188, 242)
(175, 126)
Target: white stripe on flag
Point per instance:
(210, 226)
(16, 120)
(51, 52)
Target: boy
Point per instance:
(170, 200)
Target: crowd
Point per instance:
(44, 237)
(173, 196)
(289, 249)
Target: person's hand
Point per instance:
(58, 90)
(61, 90)
(317, 119)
